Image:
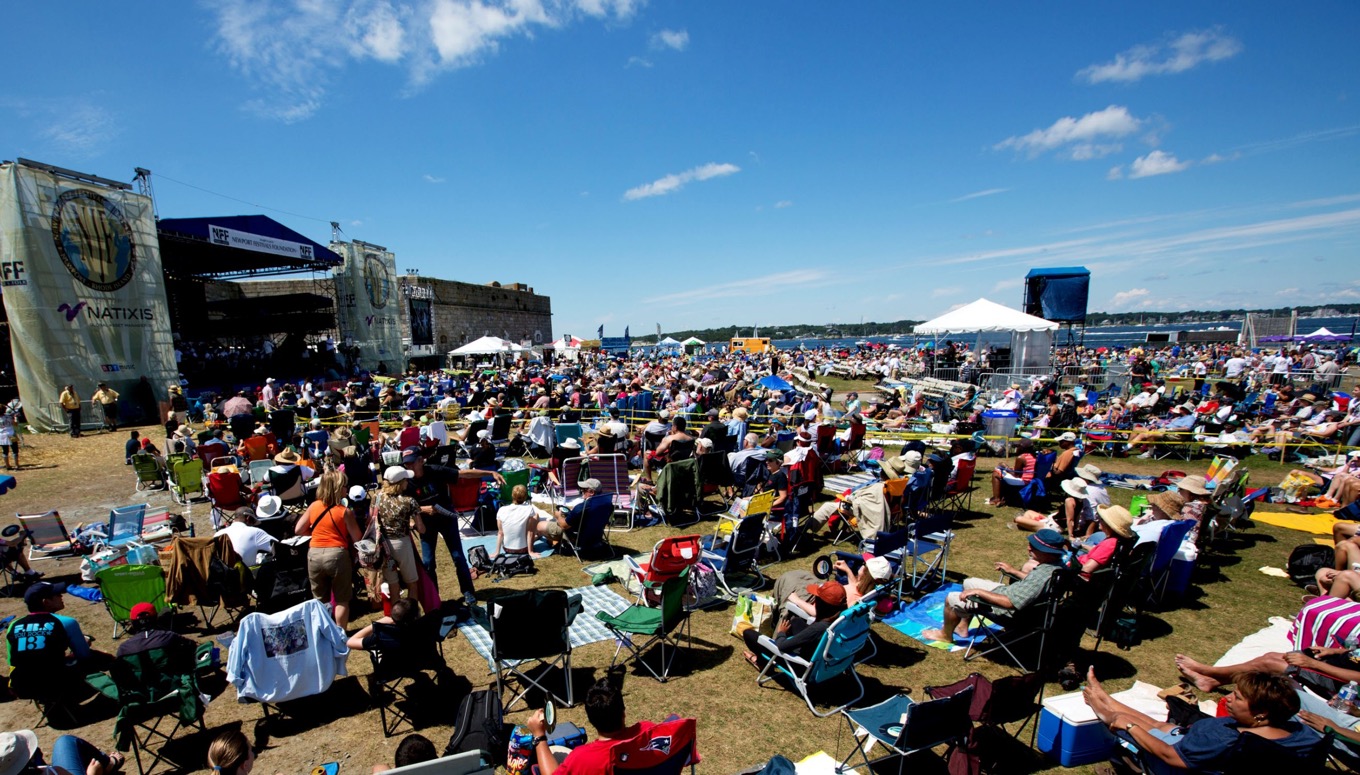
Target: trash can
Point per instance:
(999, 422)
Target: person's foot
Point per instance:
(115, 762)
(1312, 589)
(1193, 671)
(936, 635)
(1146, 455)
(32, 574)
(1095, 695)
(751, 659)
(469, 600)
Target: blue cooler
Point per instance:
(1070, 733)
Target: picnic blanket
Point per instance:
(927, 613)
(839, 483)
(1274, 637)
(488, 542)
(586, 628)
(1307, 523)
(620, 570)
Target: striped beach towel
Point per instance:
(1326, 622)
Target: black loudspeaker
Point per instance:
(1059, 295)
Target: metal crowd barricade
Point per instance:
(91, 415)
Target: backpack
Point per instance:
(478, 557)
(480, 726)
(1306, 560)
(506, 565)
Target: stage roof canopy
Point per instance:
(236, 246)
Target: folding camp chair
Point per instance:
(1037, 620)
(399, 657)
(958, 494)
(47, 536)
(125, 525)
(1168, 544)
(715, 479)
(592, 534)
(570, 477)
(568, 430)
(465, 496)
(916, 499)
(255, 448)
(149, 473)
(530, 632)
(737, 552)
(226, 494)
(612, 471)
(905, 727)
(665, 625)
(894, 497)
(124, 586)
(670, 557)
(995, 704)
(258, 471)
(667, 748)
(1129, 572)
(835, 655)
(926, 537)
(150, 687)
(186, 480)
(513, 478)
(466, 763)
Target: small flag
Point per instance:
(601, 336)
(625, 332)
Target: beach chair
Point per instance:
(834, 656)
(667, 748)
(1037, 620)
(569, 430)
(957, 496)
(513, 478)
(612, 471)
(570, 477)
(666, 625)
(466, 763)
(592, 534)
(1033, 494)
(737, 552)
(930, 537)
(149, 473)
(255, 448)
(1168, 544)
(995, 703)
(530, 632)
(159, 526)
(47, 536)
(905, 727)
(176, 457)
(186, 480)
(150, 687)
(226, 494)
(125, 525)
(124, 586)
(258, 471)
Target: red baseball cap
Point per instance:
(829, 591)
(142, 609)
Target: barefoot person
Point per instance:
(1261, 704)
(1046, 549)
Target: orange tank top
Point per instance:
(328, 526)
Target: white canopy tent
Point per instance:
(1321, 332)
(487, 345)
(694, 340)
(667, 341)
(1031, 337)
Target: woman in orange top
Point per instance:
(333, 530)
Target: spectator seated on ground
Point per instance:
(1261, 704)
(792, 635)
(1018, 475)
(1342, 483)
(231, 754)
(605, 711)
(1046, 549)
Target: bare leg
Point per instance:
(1106, 707)
(1343, 530)
(342, 615)
(1032, 521)
(1345, 584)
(1207, 677)
(1324, 578)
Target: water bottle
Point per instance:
(1345, 699)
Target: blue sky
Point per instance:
(698, 164)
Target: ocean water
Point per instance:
(1104, 336)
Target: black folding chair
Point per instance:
(530, 631)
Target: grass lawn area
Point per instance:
(740, 724)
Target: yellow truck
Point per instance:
(750, 344)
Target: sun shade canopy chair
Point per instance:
(150, 688)
(736, 553)
(399, 657)
(124, 586)
(668, 748)
(592, 533)
(186, 480)
(666, 625)
(529, 634)
(149, 473)
(904, 727)
(125, 525)
(835, 655)
(1036, 621)
(995, 704)
(47, 536)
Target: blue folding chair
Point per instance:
(592, 535)
(125, 525)
(905, 727)
(1034, 492)
(738, 551)
(1168, 543)
(917, 497)
(834, 656)
(927, 546)
(568, 430)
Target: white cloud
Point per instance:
(1005, 285)
(755, 286)
(428, 178)
(781, 204)
(946, 291)
(275, 44)
(637, 62)
(979, 194)
(1286, 291)
(356, 222)
(1156, 163)
(1091, 136)
(676, 40)
(1125, 299)
(1116, 172)
(1173, 55)
(81, 130)
(676, 181)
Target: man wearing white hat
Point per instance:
(902, 465)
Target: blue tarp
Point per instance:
(774, 383)
(1058, 293)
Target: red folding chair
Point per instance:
(669, 559)
(464, 496)
(226, 495)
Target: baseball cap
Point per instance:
(1067, 436)
(358, 493)
(410, 454)
(829, 591)
(879, 568)
(39, 592)
(140, 610)
(589, 484)
(1047, 541)
(395, 474)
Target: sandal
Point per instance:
(752, 659)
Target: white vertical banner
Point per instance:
(83, 290)
(368, 304)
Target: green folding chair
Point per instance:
(667, 625)
(513, 478)
(151, 687)
(187, 480)
(124, 586)
(149, 474)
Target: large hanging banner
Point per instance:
(368, 306)
(84, 292)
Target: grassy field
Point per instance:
(740, 724)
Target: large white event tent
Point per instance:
(487, 345)
(1031, 337)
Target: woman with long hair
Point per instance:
(333, 529)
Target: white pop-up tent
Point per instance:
(1031, 337)
(487, 345)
